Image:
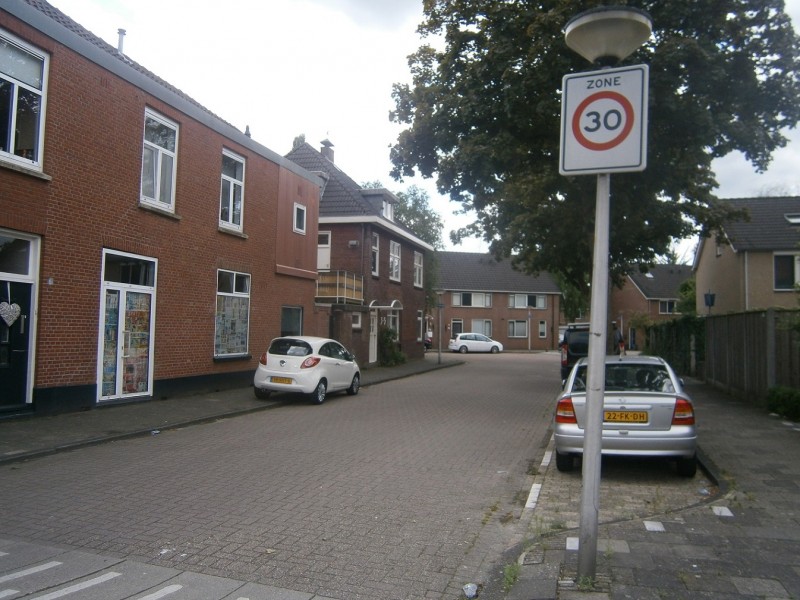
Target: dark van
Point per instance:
(574, 345)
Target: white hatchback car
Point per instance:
(308, 365)
(474, 342)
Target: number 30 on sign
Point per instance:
(604, 121)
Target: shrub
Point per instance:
(785, 401)
(389, 353)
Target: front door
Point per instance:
(15, 327)
(373, 336)
(126, 346)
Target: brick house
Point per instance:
(371, 268)
(646, 298)
(482, 295)
(759, 266)
(146, 246)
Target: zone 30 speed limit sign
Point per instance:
(604, 121)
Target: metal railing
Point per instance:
(340, 287)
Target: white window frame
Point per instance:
(420, 326)
(38, 87)
(160, 154)
(393, 321)
(516, 324)
(796, 271)
(395, 251)
(542, 329)
(221, 333)
(419, 263)
(665, 305)
(375, 253)
(229, 202)
(524, 301)
(477, 299)
(356, 320)
(482, 326)
(388, 210)
(300, 210)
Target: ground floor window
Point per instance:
(542, 329)
(291, 320)
(233, 313)
(483, 326)
(393, 321)
(517, 329)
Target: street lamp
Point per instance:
(439, 306)
(603, 35)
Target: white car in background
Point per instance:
(474, 342)
(308, 365)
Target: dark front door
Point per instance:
(15, 327)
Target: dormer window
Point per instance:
(792, 218)
(388, 210)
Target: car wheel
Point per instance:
(463, 349)
(494, 350)
(261, 394)
(355, 385)
(564, 462)
(319, 393)
(687, 467)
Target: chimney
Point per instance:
(327, 149)
(121, 33)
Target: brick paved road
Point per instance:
(408, 490)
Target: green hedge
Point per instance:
(785, 401)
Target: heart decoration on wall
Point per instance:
(9, 312)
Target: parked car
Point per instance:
(646, 412)
(310, 365)
(474, 342)
(574, 345)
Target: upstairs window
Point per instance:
(394, 261)
(158, 161)
(388, 210)
(23, 76)
(299, 218)
(476, 299)
(786, 268)
(374, 253)
(231, 193)
(418, 263)
(527, 301)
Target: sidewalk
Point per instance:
(743, 543)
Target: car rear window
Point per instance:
(290, 347)
(630, 377)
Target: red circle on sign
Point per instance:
(576, 121)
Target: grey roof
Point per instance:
(662, 282)
(767, 229)
(476, 272)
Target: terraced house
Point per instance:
(146, 245)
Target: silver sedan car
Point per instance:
(646, 412)
(308, 365)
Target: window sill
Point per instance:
(232, 358)
(159, 211)
(25, 171)
(233, 232)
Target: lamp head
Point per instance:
(608, 34)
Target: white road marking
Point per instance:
(79, 586)
(656, 526)
(533, 497)
(722, 511)
(31, 571)
(162, 592)
(8, 593)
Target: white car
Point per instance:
(307, 365)
(474, 342)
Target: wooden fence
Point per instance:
(745, 354)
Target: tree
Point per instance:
(483, 116)
(687, 297)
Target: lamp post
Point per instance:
(439, 306)
(603, 35)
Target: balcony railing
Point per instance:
(340, 287)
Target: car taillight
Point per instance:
(263, 359)
(684, 412)
(311, 361)
(564, 355)
(565, 412)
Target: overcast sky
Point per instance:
(323, 68)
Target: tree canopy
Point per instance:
(483, 117)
